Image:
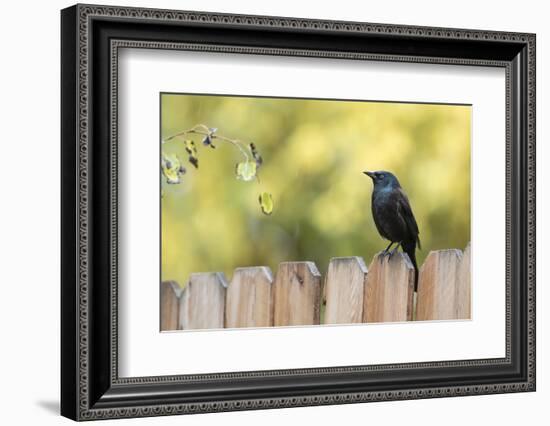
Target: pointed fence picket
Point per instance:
(353, 293)
(249, 300)
(344, 290)
(170, 293)
(297, 294)
(202, 302)
(389, 290)
(444, 286)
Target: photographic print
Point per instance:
(303, 212)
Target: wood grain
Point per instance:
(249, 301)
(344, 290)
(170, 293)
(444, 286)
(296, 294)
(202, 303)
(389, 289)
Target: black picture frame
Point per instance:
(90, 386)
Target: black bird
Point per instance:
(393, 216)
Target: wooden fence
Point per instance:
(296, 294)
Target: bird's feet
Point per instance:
(394, 250)
(383, 255)
(385, 252)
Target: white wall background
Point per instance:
(29, 213)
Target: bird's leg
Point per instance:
(385, 252)
(387, 248)
(395, 249)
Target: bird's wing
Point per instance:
(405, 211)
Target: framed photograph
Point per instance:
(263, 212)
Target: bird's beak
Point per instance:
(370, 174)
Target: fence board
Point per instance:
(463, 290)
(296, 294)
(202, 303)
(249, 298)
(389, 289)
(441, 284)
(169, 305)
(344, 289)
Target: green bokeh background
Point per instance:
(314, 154)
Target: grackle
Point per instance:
(393, 216)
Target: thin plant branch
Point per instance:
(194, 130)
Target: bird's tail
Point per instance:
(409, 247)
